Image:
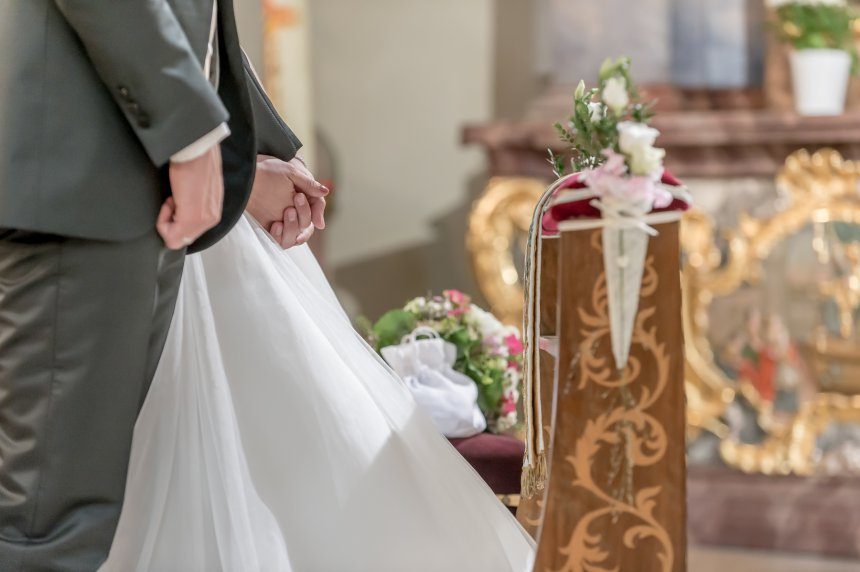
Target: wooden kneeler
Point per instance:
(614, 493)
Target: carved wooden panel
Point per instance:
(616, 493)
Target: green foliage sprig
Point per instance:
(593, 126)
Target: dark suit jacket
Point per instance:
(97, 95)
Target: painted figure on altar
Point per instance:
(765, 356)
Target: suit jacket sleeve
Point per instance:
(274, 137)
(142, 55)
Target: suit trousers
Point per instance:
(82, 327)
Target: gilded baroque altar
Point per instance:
(781, 369)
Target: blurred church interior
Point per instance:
(420, 114)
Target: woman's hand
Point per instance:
(287, 195)
(296, 227)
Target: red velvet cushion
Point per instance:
(582, 209)
(497, 458)
(578, 209)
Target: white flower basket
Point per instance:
(820, 80)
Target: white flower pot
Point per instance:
(820, 80)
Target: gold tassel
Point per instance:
(535, 464)
(534, 478)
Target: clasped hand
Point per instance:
(286, 200)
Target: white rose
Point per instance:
(615, 94)
(416, 305)
(646, 160)
(487, 324)
(506, 422)
(636, 140)
(635, 136)
(595, 109)
(436, 309)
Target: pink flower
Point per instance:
(646, 191)
(602, 177)
(515, 345)
(612, 181)
(615, 165)
(509, 404)
(637, 190)
(494, 347)
(662, 197)
(456, 297)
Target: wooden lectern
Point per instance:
(614, 498)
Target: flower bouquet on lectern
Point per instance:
(617, 379)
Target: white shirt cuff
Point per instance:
(202, 145)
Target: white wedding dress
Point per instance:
(275, 439)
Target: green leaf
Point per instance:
(557, 162)
(490, 397)
(392, 326)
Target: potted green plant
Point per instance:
(823, 55)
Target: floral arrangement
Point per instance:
(620, 189)
(489, 352)
(612, 145)
(816, 24)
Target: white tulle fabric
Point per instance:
(275, 439)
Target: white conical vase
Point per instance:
(624, 251)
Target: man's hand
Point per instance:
(198, 196)
(279, 186)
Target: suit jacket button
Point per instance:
(143, 120)
(124, 93)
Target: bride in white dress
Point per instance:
(275, 439)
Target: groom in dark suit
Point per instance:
(129, 130)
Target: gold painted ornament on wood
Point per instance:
(615, 495)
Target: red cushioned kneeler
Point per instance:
(497, 458)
